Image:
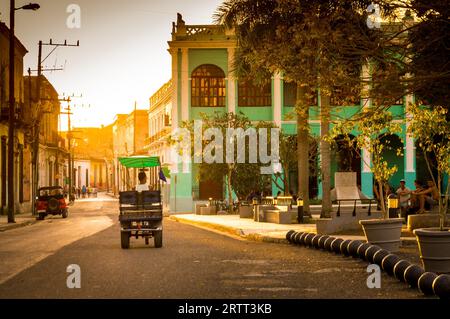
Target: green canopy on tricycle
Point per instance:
(140, 161)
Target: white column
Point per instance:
(185, 87)
(175, 86)
(175, 92)
(231, 94)
(185, 84)
(277, 99)
(409, 143)
(366, 102)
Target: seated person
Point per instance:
(403, 193)
(142, 186)
(414, 197)
(429, 195)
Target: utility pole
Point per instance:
(40, 70)
(12, 106)
(71, 158)
(68, 110)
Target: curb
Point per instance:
(231, 230)
(253, 237)
(17, 225)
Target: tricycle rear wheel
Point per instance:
(65, 213)
(158, 239)
(125, 239)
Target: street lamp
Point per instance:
(30, 6)
(393, 206)
(300, 211)
(12, 102)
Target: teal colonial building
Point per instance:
(203, 82)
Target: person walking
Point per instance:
(83, 191)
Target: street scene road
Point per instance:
(193, 263)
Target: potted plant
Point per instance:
(371, 125)
(431, 128)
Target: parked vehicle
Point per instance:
(51, 201)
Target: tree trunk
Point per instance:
(302, 110)
(325, 154)
(286, 180)
(382, 201)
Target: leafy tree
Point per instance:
(431, 128)
(242, 178)
(371, 127)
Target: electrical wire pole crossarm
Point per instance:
(38, 97)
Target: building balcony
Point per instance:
(158, 138)
(181, 31)
(163, 93)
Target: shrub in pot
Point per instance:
(431, 128)
(371, 125)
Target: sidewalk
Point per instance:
(266, 232)
(21, 221)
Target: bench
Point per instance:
(354, 204)
(346, 215)
(276, 210)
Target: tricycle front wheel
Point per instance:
(125, 239)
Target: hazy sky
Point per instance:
(123, 49)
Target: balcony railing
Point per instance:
(161, 94)
(181, 31)
(158, 137)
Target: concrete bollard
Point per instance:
(336, 245)
(301, 240)
(344, 247)
(379, 255)
(425, 283)
(388, 263)
(399, 269)
(412, 275)
(289, 234)
(297, 238)
(315, 241)
(322, 240)
(441, 286)
(353, 248)
(370, 253)
(327, 243)
(362, 250)
(308, 239)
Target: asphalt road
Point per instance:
(193, 263)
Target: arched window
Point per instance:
(208, 86)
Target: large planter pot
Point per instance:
(434, 246)
(384, 233)
(246, 211)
